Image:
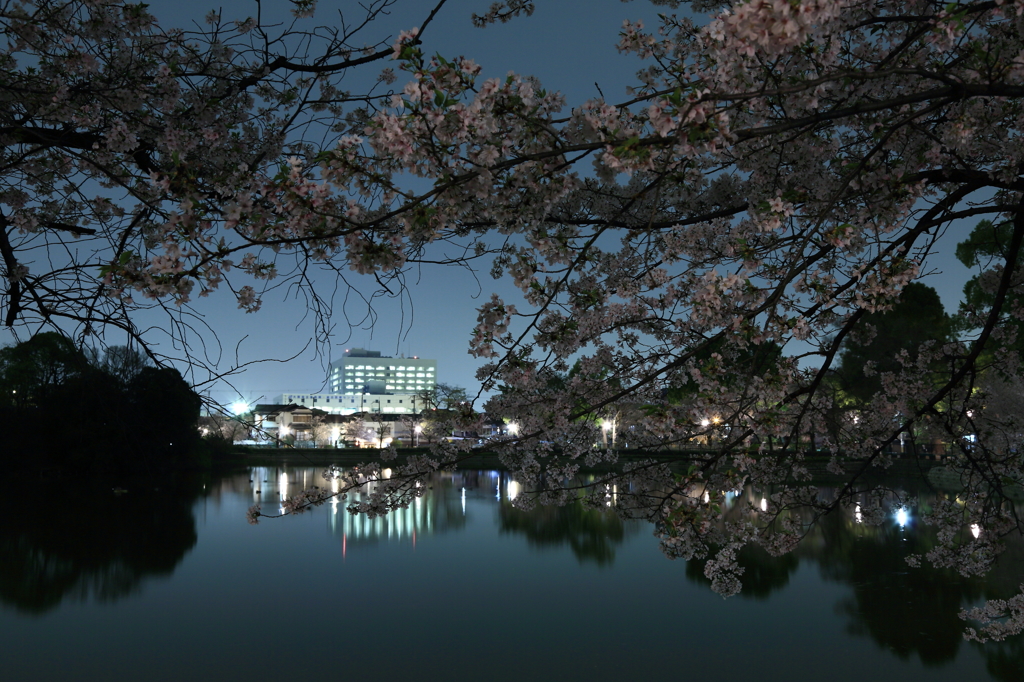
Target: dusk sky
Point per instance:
(569, 46)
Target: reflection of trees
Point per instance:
(591, 533)
(762, 573)
(902, 609)
(906, 610)
(914, 610)
(82, 541)
(1005, 660)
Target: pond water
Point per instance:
(165, 580)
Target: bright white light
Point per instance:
(902, 516)
(239, 408)
(858, 517)
(975, 530)
(513, 428)
(513, 490)
(606, 426)
(282, 431)
(764, 504)
(705, 422)
(463, 501)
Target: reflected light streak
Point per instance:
(463, 501)
(513, 490)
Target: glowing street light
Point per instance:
(606, 426)
(418, 430)
(513, 428)
(239, 408)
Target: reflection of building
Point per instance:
(438, 511)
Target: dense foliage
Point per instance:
(69, 410)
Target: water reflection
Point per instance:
(910, 612)
(85, 539)
(591, 534)
(439, 511)
(763, 574)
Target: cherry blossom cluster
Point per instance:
(690, 262)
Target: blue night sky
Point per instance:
(568, 44)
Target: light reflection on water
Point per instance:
(582, 593)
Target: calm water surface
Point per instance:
(167, 581)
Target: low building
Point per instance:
(334, 403)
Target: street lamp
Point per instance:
(513, 428)
(418, 430)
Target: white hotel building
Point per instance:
(365, 381)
